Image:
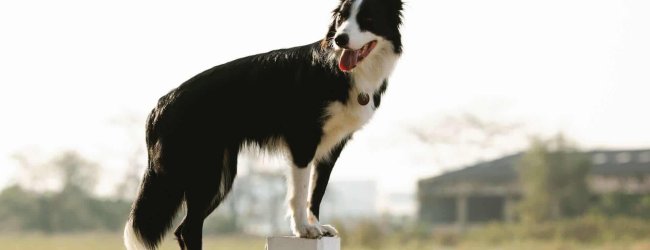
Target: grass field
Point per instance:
(110, 241)
(106, 241)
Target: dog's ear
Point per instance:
(331, 31)
(327, 41)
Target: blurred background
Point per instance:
(507, 124)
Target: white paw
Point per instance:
(305, 230)
(329, 230)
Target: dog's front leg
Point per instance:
(298, 195)
(320, 176)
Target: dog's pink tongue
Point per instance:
(348, 60)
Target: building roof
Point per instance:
(605, 162)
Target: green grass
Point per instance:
(510, 245)
(112, 241)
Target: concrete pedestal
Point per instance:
(294, 243)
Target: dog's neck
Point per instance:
(374, 70)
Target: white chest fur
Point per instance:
(343, 119)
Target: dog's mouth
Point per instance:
(350, 58)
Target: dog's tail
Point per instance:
(152, 212)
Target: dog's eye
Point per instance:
(368, 21)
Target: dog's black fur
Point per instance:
(196, 131)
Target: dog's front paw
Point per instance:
(305, 230)
(329, 230)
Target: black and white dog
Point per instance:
(306, 101)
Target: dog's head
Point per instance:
(359, 26)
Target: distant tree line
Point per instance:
(72, 208)
(553, 174)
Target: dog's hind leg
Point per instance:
(207, 187)
(191, 230)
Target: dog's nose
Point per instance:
(342, 40)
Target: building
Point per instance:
(488, 191)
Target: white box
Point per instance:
(295, 243)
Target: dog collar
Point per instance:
(363, 98)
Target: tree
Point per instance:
(76, 172)
(19, 209)
(553, 175)
(70, 208)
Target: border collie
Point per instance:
(306, 101)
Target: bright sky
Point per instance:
(69, 69)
